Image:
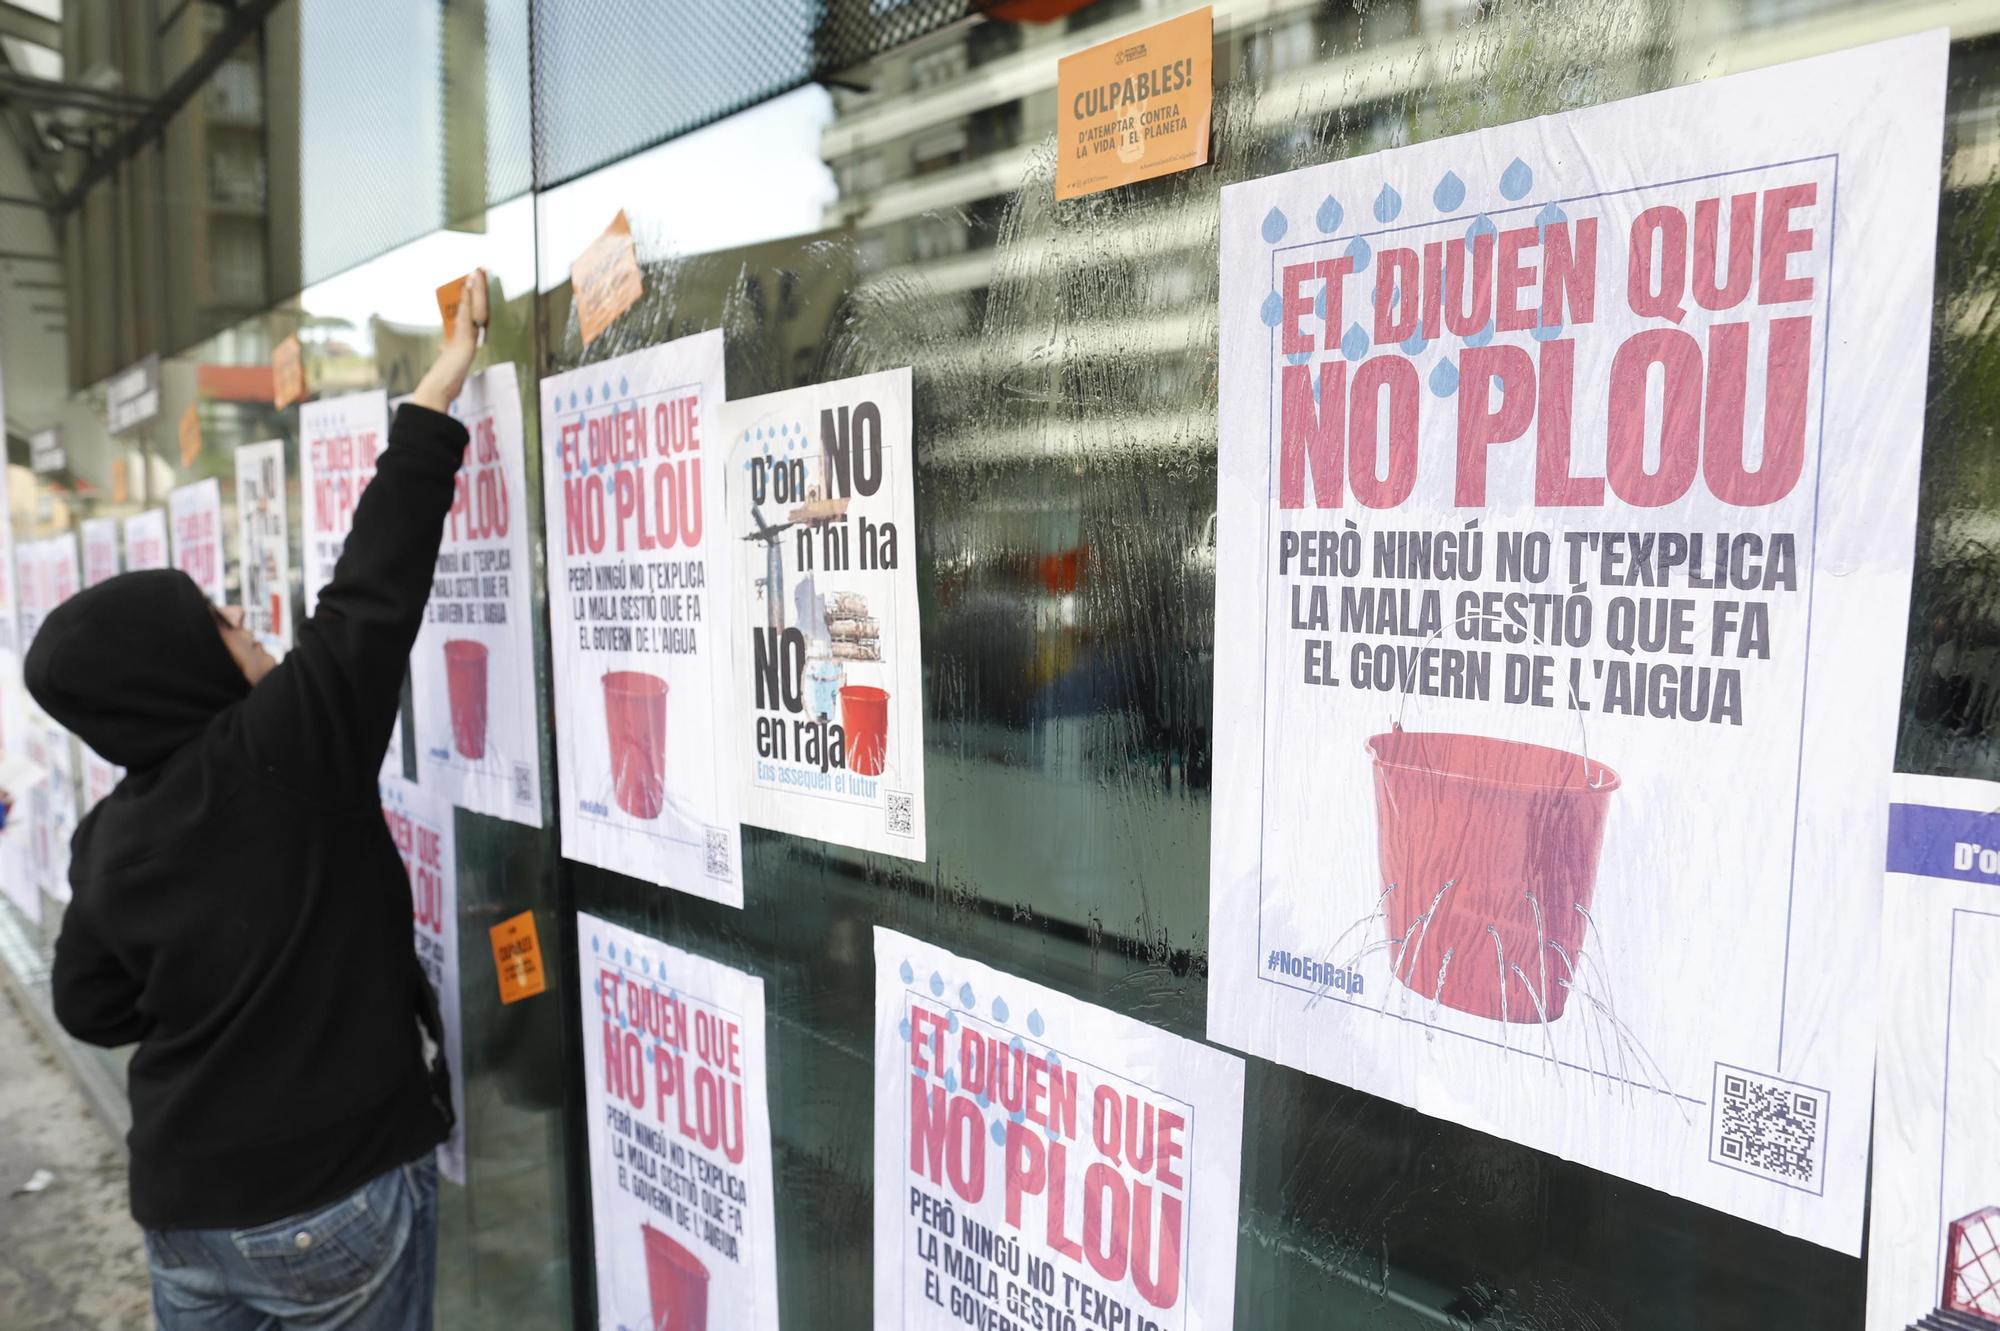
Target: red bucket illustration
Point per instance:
(678, 1283)
(635, 712)
(864, 716)
(1497, 842)
(465, 683)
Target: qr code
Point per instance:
(1768, 1126)
(524, 784)
(902, 813)
(718, 853)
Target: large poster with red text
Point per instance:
(339, 439)
(421, 826)
(680, 1136)
(639, 617)
(196, 514)
(1567, 479)
(1041, 1161)
(472, 672)
(146, 539)
(264, 544)
(100, 549)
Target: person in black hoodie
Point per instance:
(242, 914)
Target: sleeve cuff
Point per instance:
(426, 428)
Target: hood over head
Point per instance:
(134, 666)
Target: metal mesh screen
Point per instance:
(615, 76)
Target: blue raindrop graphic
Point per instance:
(1055, 1061)
(572, 399)
(1415, 343)
(1547, 332)
(1327, 219)
(587, 391)
(1317, 382)
(1444, 379)
(1482, 225)
(596, 945)
(1274, 226)
(1354, 342)
(1499, 388)
(1035, 1023)
(1051, 1131)
(1298, 358)
(649, 1053)
(604, 390)
(1358, 251)
(1015, 1044)
(965, 998)
(646, 965)
(1387, 204)
(1319, 303)
(1450, 192)
(1016, 1116)
(628, 956)
(923, 1074)
(1550, 214)
(1271, 310)
(951, 1023)
(1482, 337)
(937, 985)
(950, 1081)
(999, 1134)
(983, 1098)
(999, 1009)
(1516, 180)
(903, 1029)
(622, 389)
(621, 1021)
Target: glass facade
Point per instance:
(854, 187)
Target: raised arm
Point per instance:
(323, 715)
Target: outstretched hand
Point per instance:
(446, 376)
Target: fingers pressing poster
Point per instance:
(339, 439)
(100, 550)
(639, 617)
(828, 649)
(1934, 1227)
(680, 1136)
(196, 513)
(421, 826)
(1565, 544)
(146, 540)
(472, 672)
(1040, 1161)
(264, 542)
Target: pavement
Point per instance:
(70, 1257)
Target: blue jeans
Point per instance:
(368, 1262)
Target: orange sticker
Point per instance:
(517, 955)
(1135, 107)
(450, 296)
(288, 373)
(120, 485)
(190, 436)
(604, 280)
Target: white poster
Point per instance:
(264, 544)
(62, 570)
(472, 672)
(19, 881)
(339, 439)
(55, 811)
(680, 1136)
(1565, 545)
(30, 590)
(1041, 1161)
(828, 647)
(639, 617)
(100, 550)
(196, 513)
(1934, 1227)
(421, 826)
(10, 600)
(146, 540)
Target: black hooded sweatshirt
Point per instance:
(240, 910)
